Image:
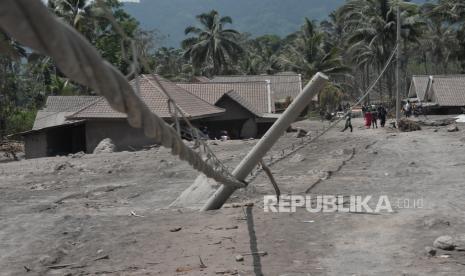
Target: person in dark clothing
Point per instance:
(348, 122)
(382, 113)
(205, 132)
(374, 119)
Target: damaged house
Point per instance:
(249, 106)
(284, 86)
(243, 106)
(70, 124)
(439, 94)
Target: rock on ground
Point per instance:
(452, 128)
(105, 146)
(444, 243)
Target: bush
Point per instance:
(20, 120)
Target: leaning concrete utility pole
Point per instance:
(315, 85)
(398, 102)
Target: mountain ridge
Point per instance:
(257, 17)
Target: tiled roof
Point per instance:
(58, 107)
(282, 85)
(68, 103)
(151, 93)
(447, 90)
(418, 87)
(235, 96)
(254, 93)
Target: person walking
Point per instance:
(374, 118)
(407, 109)
(382, 114)
(348, 122)
(368, 118)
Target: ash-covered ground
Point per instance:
(108, 214)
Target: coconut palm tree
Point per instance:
(309, 53)
(261, 55)
(371, 27)
(212, 45)
(447, 29)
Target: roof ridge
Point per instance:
(167, 94)
(440, 76)
(86, 106)
(183, 90)
(264, 75)
(247, 106)
(223, 82)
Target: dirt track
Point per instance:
(103, 214)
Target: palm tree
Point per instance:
(440, 43)
(212, 45)
(75, 12)
(371, 27)
(447, 29)
(309, 53)
(261, 55)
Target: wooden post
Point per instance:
(315, 85)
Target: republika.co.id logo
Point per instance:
(332, 203)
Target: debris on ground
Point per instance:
(444, 243)
(11, 148)
(239, 258)
(452, 128)
(301, 133)
(430, 251)
(238, 205)
(105, 146)
(297, 158)
(408, 125)
(202, 264)
(183, 269)
(226, 272)
(436, 123)
(63, 166)
(77, 155)
(291, 129)
(436, 223)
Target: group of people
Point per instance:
(410, 109)
(373, 113)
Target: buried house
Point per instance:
(284, 86)
(250, 109)
(440, 94)
(70, 124)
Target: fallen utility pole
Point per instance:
(315, 85)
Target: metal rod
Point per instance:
(315, 85)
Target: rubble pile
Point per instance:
(408, 125)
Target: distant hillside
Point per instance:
(257, 17)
